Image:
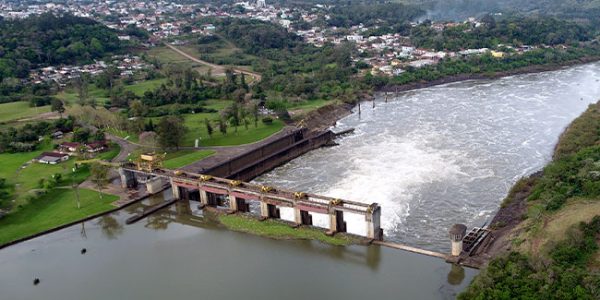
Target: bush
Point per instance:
(267, 120)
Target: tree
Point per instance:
(171, 131)
(255, 113)
(81, 84)
(222, 126)
(99, 176)
(209, 127)
(81, 135)
(137, 108)
(99, 135)
(58, 106)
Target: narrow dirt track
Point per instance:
(257, 77)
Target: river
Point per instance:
(446, 154)
(180, 254)
(430, 157)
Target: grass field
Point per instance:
(69, 95)
(10, 162)
(197, 129)
(28, 178)
(55, 208)
(124, 134)
(19, 110)
(278, 230)
(167, 56)
(141, 87)
(183, 158)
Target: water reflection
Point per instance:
(456, 275)
(111, 228)
(186, 248)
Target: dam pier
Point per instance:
(235, 196)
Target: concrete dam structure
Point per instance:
(235, 196)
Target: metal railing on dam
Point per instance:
(235, 194)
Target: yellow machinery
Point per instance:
(150, 161)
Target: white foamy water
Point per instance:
(443, 155)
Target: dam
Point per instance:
(403, 155)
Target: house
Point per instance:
(52, 158)
(57, 135)
(69, 146)
(94, 147)
(497, 54)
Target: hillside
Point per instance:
(51, 40)
(582, 10)
(551, 224)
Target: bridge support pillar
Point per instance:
(127, 178)
(373, 220)
(336, 221)
(302, 217)
(264, 210)
(175, 190)
(233, 203)
(203, 197)
(154, 185)
(297, 216)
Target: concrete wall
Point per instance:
(253, 163)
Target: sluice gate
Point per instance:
(235, 195)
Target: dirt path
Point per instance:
(218, 68)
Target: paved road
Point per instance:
(126, 148)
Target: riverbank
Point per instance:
(327, 116)
(483, 76)
(551, 216)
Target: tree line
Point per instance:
(49, 39)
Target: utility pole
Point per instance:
(76, 187)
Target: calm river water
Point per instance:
(430, 157)
(177, 254)
(443, 155)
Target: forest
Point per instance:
(372, 13)
(513, 31)
(48, 39)
(584, 11)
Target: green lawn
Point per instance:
(10, 162)
(124, 134)
(102, 96)
(197, 129)
(28, 178)
(183, 158)
(19, 110)
(167, 56)
(70, 95)
(57, 207)
(278, 230)
(141, 87)
(309, 105)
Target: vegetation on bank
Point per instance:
(183, 158)
(487, 65)
(57, 207)
(562, 273)
(554, 253)
(279, 230)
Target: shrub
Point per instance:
(267, 120)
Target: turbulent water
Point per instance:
(443, 155)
